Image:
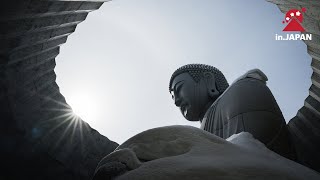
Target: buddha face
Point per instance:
(191, 97)
(185, 152)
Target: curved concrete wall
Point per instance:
(40, 137)
(305, 126)
(36, 131)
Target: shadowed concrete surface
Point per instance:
(40, 136)
(41, 139)
(305, 126)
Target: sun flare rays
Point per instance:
(62, 124)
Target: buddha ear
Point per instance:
(210, 81)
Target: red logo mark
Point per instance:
(294, 18)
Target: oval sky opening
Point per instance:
(121, 59)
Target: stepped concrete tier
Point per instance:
(40, 136)
(41, 139)
(305, 126)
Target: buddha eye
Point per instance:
(178, 87)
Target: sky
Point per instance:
(115, 68)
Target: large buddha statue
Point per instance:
(242, 135)
(202, 93)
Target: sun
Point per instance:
(84, 105)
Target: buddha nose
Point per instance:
(177, 101)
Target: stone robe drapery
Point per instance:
(248, 105)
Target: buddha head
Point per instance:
(194, 87)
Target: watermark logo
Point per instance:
(294, 19)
